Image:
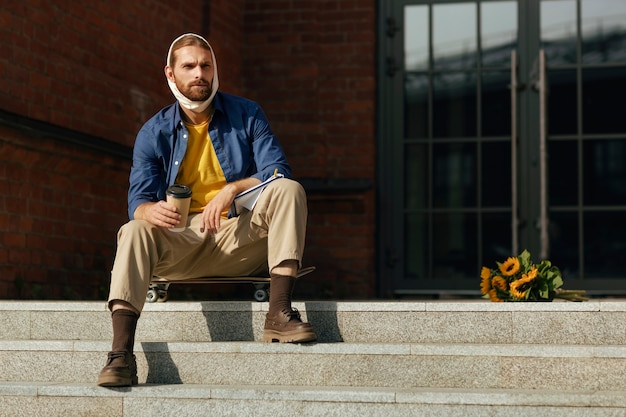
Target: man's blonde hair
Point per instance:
(187, 40)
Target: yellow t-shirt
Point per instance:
(200, 169)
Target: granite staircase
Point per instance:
(383, 358)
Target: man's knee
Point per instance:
(291, 188)
(136, 228)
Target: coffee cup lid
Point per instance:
(178, 191)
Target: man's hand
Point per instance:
(159, 214)
(212, 214)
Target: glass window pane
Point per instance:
(416, 247)
(604, 90)
(604, 172)
(564, 238)
(496, 237)
(496, 104)
(604, 31)
(455, 244)
(454, 36)
(496, 174)
(454, 102)
(454, 182)
(415, 106)
(563, 173)
(498, 32)
(562, 110)
(604, 245)
(558, 31)
(416, 176)
(416, 38)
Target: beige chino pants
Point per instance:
(246, 245)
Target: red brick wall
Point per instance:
(91, 66)
(96, 68)
(58, 218)
(225, 33)
(311, 64)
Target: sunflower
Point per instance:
(493, 296)
(515, 289)
(531, 275)
(485, 283)
(500, 283)
(510, 267)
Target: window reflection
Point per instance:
(564, 238)
(454, 49)
(603, 92)
(563, 172)
(496, 104)
(417, 249)
(415, 106)
(455, 249)
(562, 102)
(558, 31)
(454, 171)
(416, 38)
(603, 31)
(416, 169)
(498, 32)
(454, 100)
(496, 174)
(604, 172)
(496, 237)
(604, 245)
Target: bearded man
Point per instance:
(218, 145)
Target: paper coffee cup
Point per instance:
(180, 196)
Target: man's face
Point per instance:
(192, 72)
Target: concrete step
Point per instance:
(74, 399)
(564, 323)
(444, 358)
(407, 365)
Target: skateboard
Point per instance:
(157, 291)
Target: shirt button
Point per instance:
(185, 136)
(176, 163)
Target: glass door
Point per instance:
(500, 131)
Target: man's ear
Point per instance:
(169, 73)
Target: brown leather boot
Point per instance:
(287, 327)
(119, 371)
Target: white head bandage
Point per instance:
(195, 106)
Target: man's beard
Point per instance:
(196, 93)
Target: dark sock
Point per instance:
(124, 326)
(281, 290)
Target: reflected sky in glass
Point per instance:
(416, 38)
(454, 48)
(603, 25)
(455, 40)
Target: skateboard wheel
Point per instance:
(163, 297)
(152, 295)
(261, 295)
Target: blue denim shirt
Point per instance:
(241, 136)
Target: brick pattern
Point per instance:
(59, 213)
(91, 66)
(311, 64)
(95, 67)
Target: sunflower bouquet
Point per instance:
(519, 279)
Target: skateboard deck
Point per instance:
(157, 291)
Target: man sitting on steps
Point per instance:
(218, 145)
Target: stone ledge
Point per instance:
(451, 396)
(611, 305)
(255, 348)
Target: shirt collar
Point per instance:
(217, 106)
